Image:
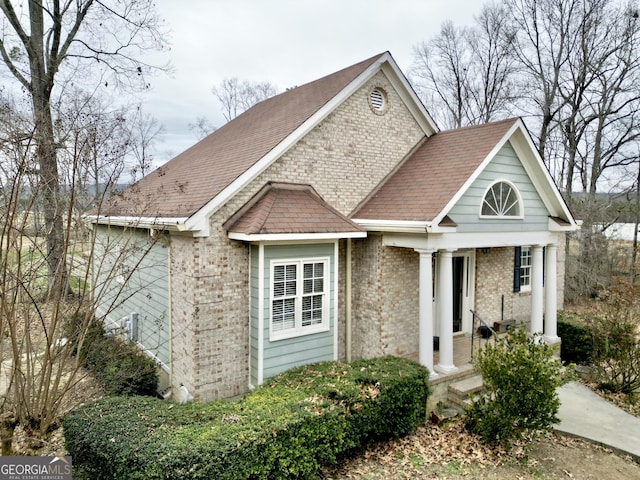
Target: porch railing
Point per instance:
(483, 330)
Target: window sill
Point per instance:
(277, 336)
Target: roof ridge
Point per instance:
(481, 125)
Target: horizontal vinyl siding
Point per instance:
(144, 291)
(504, 166)
(284, 354)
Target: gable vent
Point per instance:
(378, 100)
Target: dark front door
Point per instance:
(458, 292)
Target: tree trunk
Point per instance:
(634, 253)
(49, 188)
(52, 205)
(7, 427)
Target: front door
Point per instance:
(458, 292)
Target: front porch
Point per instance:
(444, 297)
(461, 349)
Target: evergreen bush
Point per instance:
(577, 341)
(119, 365)
(287, 428)
(520, 381)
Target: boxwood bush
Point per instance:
(520, 381)
(287, 428)
(577, 340)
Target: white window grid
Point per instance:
(525, 268)
(501, 200)
(299, 297)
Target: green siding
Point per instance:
(506, 166)
(131, 275)
(281, 355)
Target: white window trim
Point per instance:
(525, 288)
(503, 217)
(298, 329)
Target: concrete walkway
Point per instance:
(585, 414)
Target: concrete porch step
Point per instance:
(462, 392)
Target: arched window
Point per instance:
(502, 199)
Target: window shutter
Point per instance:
(516, 268)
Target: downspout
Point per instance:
(348, 320)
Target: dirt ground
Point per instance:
(448, 452)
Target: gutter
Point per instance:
(176, 224)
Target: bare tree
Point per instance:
(466, 75)
(50, 49)
(96, 141)
(581, 60)
(201, 127)
(542, 43)
(237, 96)
(145, 132)
(54, 39)
(39, 371)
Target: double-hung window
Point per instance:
(522, 269)
(299, 297)
(525, 269)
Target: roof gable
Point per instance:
(433, 178)
(432, 175)
(192, 185)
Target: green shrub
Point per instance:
(120, 366)
(577, 342)
(616, 351)
(287, 428)
(520, 389)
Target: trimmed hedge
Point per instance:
(287, 428)
(119, 365)
(577, 341)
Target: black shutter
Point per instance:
(517, 258)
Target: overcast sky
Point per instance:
(285, 42)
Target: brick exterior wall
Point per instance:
(494, 279)
(366, 305)
(562, 257)
(343, 158)
(181, 261)
(385, 302)
(400, 291)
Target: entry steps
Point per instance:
(462, 392)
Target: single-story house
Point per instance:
(332, 221)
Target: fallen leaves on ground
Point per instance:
(444, 444)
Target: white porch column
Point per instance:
(537, 289)
(551, 295)
(445, 311)
(425, 330)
